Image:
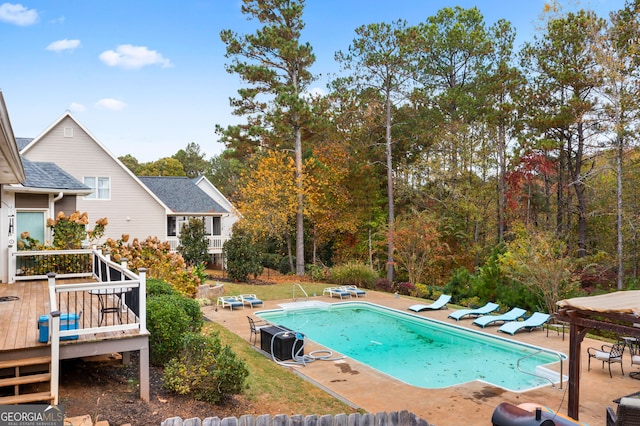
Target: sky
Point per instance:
(147, 77)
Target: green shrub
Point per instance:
(194, 246)
(167, 323)
(243, 258)
(205, 369)
(354, 274)
(192, 308)
(271, 260)
(316, 272)
(285, 267)
(156, 287)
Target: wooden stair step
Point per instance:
(23, 380)
(25, 361)
(26, 398)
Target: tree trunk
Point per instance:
(300, 210)
(391, 223)
(619, 247)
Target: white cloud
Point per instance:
(133, 57)
(60, 45)
(76, 107)
(18, 14)
(59, 20)
(110, 104)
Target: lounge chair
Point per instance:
(230, 302)
(250, 299)
(441, 303)
(512, 315)
(336, 291)
(536, 320)
(473, 313)
(355, 291)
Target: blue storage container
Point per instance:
(67, 322)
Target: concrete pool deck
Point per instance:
(466, 404)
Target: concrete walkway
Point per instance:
(468, 404)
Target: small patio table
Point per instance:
(104, 294)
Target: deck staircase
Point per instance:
(30, 379)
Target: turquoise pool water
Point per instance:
(417, 350)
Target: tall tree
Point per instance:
(193, 161)
(618, 55)
(379, 60)
(275, 66)
(565, 75)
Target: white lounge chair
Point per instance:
(441, 303)
(472, 313)
(512, 315)
(250, 299)
(537, 320)
(355, 291)
(230, 302)
(341, 292)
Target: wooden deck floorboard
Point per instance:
(19, 318)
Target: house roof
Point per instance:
(11, 170)
(49, 175)
(181, 194)
(22, 142)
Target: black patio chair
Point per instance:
(255, 327)
(607, 353)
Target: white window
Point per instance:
(101, 187)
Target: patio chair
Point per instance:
(255, 326)
(250, 299)
(634, 350)
(473, 313)
(512, 315)
(336, 291)
(441, 303)
(610, 354)
(628, 413)
(536, 320)
(230, 302)
(355, 291)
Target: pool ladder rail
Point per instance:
(553, 385)
(293, 296)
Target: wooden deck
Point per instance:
(22, 303)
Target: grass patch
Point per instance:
(272, 385)
(279, 291)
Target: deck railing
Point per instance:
(215, 243)
(121, 306)
(36, 264)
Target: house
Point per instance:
(187, 200)
(33, 338)
(134, 206)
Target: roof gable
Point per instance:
(181, 194)
(31, 144)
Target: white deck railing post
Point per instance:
(54, 332)
(142, 274)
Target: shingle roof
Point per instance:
(181, 194)
(22, 142)
(49, 175)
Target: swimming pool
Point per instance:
(419, 351)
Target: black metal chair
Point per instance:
(607, 353)
(255, 327)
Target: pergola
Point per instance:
(617, 312)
